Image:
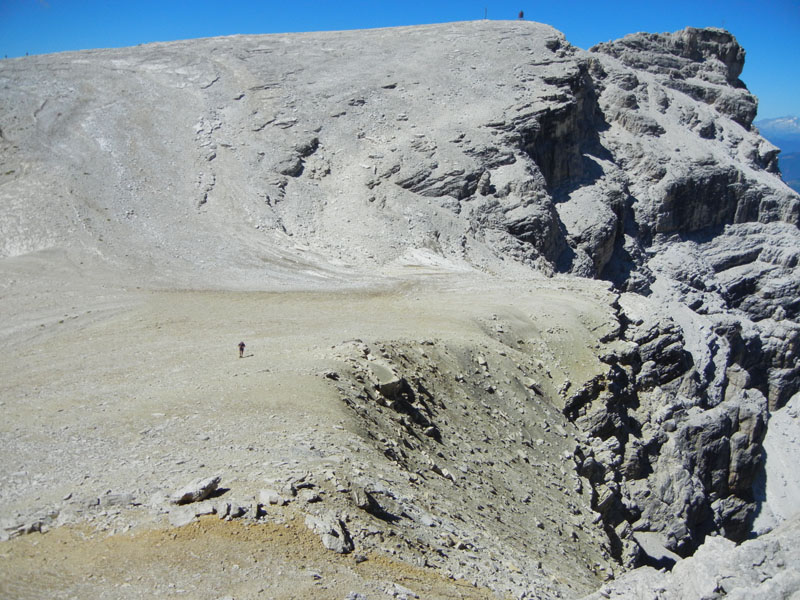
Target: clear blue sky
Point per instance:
(769, 30)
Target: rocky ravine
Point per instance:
(464, 163)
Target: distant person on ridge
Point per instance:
(521, 14)
(241, 349)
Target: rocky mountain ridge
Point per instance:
(245, 163)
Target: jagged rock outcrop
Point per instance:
(702, 63)
(762, 568)
(687, 410)
(662, 456)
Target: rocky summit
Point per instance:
(520, 319)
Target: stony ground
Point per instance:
(114, 398)
(207, 559)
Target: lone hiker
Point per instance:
(521, 14)
(241, 349)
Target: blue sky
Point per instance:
(769, 30)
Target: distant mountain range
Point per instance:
(784, 132)
(790, 169)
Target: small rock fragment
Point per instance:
(179, 517)
(332, 532)
(199, 489)
(308, 496)
(272, 497)
(395, 590)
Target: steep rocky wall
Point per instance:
(663, 457)
(761, 568)
(677, 422)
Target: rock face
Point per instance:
(511, 152)
(566, 160)
(702, 63)
(761, 568)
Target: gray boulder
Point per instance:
(332, 532)
(199, 489)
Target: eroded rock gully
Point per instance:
(474, 435)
